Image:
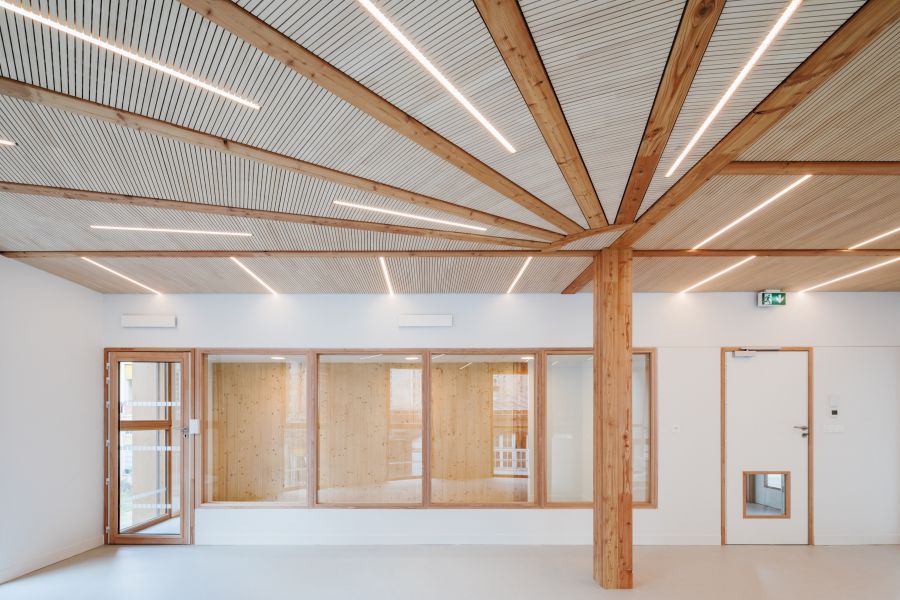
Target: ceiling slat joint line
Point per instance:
(694, 33)
(850, 39)
(217, 209)
(804, 167)
(94, 110)
(508, 28)
(272, 42)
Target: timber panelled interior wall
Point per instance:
(370, 418)
(257, 428)
(370, 430)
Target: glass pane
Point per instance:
(640, 427)
(146, 390)
(570, 409)
(766, 495)
(570, 434)
(482, 429)
(146, 460)
(256, 429)
(370, 429)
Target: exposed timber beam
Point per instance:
(507, 25)
(872, 19)
(694, 32)
(230, 211)
(804, 167)
(269, 40)
(292, 253)
(587, 275)
(578, 284)
(87, 108)
(766, 252)
(613, 546)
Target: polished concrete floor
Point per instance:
(462, 572)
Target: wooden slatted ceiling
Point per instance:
(30, 222)
(59, 149)
(297, 118)
(605, 60)
(790, 274)
(461, 48)
(318, 275)
(823, 212)
(315, 275)
(741, 28)
(851, 117)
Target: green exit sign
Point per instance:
(771, 298)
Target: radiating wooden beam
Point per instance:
(612, 419)
(872, 19)
(38, 95)
(507, 25)
(294, 253)
(804, 167)
(269, 40)
(694, 32)
(248, 213)
(584, 278)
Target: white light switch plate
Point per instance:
(833, 428)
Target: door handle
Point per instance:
(801, 427)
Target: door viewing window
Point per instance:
(147, 432)
(482, 415)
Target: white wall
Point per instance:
(857, 352)
(51, 419)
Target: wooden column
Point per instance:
(612, 419)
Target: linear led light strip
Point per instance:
(387, 277)
(407, 215)
(404, 41)
(253, 275)
(788, 12)
(719, 274)
(749, 214)
(853, 274)
(125, 277)
(874, 239)
(164, 230)
(125, 53)
(519, 276)
(6, 142)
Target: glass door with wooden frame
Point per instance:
(147, 484)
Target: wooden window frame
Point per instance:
(202, 406)
(312, 361)
(426, 400)
(787, 494)
(538, 470)
(652, 480)
(111, 427)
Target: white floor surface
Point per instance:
(462, 572)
